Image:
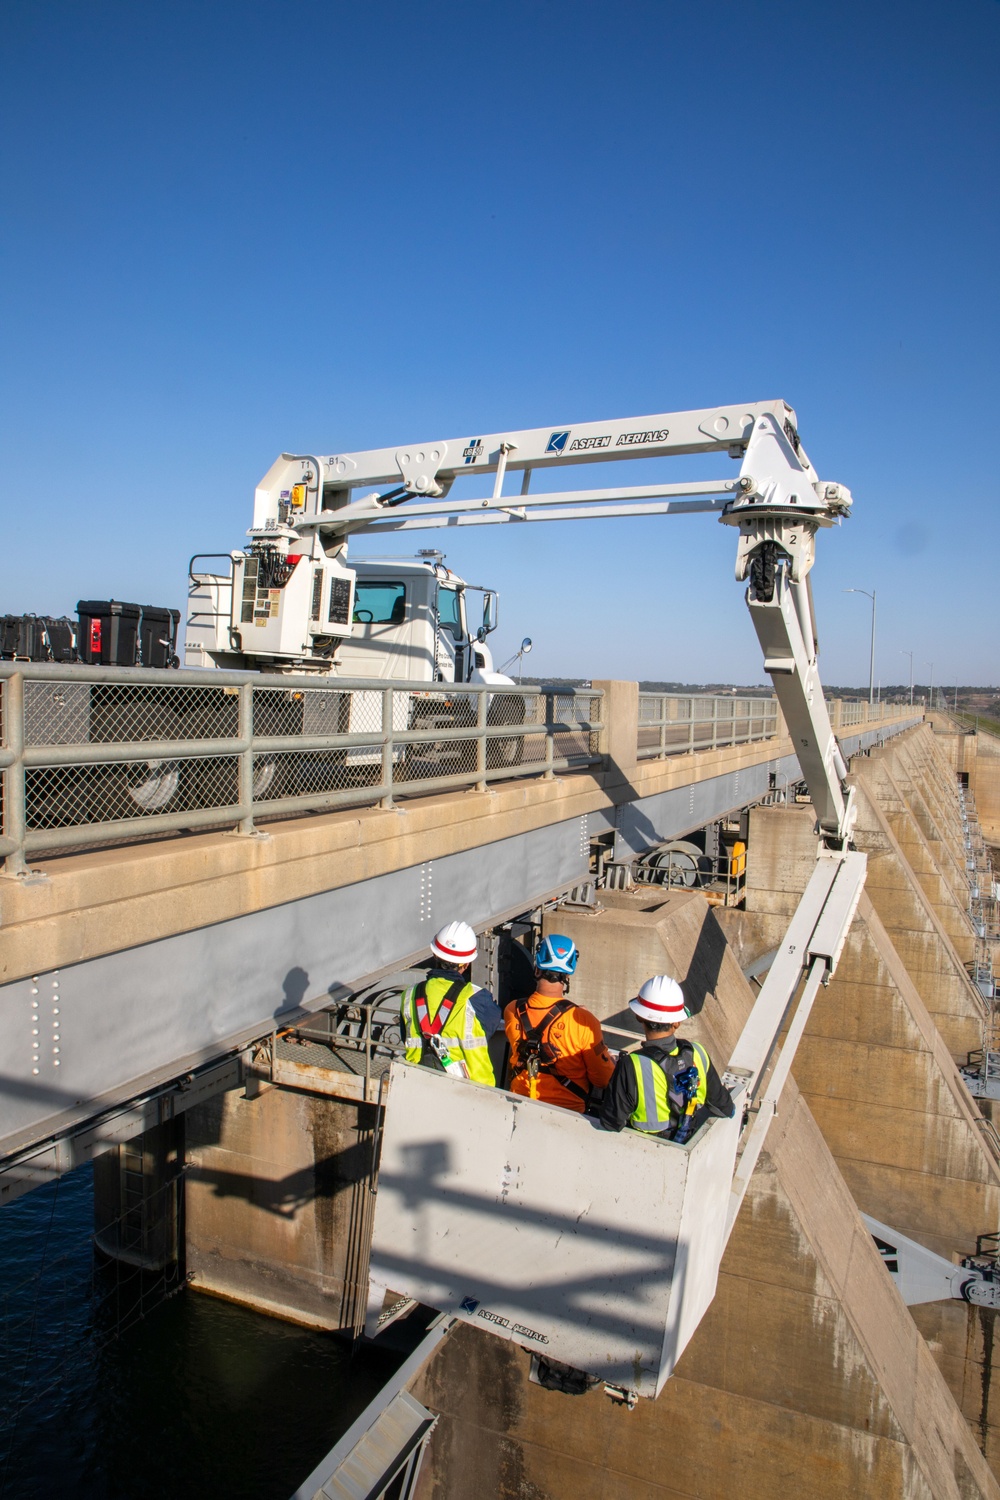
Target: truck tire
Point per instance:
(509, 750)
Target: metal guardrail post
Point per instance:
(482, 708)
(245, 768)
(13, 802)
(550, 738)
(388, 747)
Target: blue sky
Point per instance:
(236, 229)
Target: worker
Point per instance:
(557, 1048)
(668, 1087)
(448, 1020)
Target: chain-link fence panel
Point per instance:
(672, 725)
(433, 755)
(114, 713)
(308, 741)
(311, 773)
(67, 796)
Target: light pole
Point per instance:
(871, 665)
(910, 655)
(930, 690)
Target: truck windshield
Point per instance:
(379, 603)
(450, 612)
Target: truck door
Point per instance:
(453, 654)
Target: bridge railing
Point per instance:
(676, 724)
(95, 755)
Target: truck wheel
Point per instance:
(154, 786)
(507, 751)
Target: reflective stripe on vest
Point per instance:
(652, 1111)
(465, 1038)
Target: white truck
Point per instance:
(291, 603)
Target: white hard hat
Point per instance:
(661, 999)
(456, 943)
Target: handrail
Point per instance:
(97, 754)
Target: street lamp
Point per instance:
(871, 668)
(930, 690)
(910, 655)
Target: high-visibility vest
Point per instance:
(659, 1108)
(461, 1036)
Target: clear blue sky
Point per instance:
(236, 229)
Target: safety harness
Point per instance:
(534, 1054)
(432, 1027)
(682, 1087)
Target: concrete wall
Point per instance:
(277, 1204)
(876, 1064)
(978, 756)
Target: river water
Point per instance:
(116, 1385)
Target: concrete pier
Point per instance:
(278, 1204)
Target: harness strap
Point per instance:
(547, 1054)
(672, 1065)
(433, 1026)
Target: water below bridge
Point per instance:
(116, 1384)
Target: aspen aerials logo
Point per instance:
(557, 442)
(627, 439)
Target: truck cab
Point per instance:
(411, 619)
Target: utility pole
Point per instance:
(871, 663)
(910, 655)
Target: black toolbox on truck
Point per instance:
(37, 638)
(109, 632)
(158, 636)
(116, 634)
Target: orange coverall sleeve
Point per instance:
(596, 1058)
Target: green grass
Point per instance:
(991, 726)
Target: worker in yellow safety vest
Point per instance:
(448, 1020)
(668, 1087)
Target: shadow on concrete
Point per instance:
(295, 986)
(702, 976)
(326, 1177)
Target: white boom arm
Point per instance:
(778, 502)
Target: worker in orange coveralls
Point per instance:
(557, 1051)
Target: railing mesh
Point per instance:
(114, 713)
(310, 745)
(122, 747)
(674, 724)
(95, 793)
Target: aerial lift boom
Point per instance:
(777, 502)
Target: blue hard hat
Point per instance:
(556, 955)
